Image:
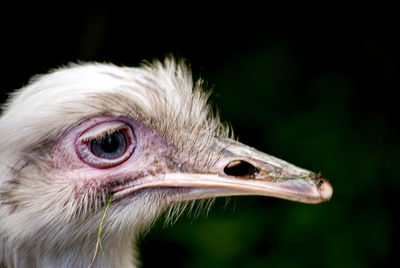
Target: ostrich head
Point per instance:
(146, 137)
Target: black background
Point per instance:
(319, 92)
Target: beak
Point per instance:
(238, 170)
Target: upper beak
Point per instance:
(239, 170)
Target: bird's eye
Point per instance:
(111, 146)
(107, 144)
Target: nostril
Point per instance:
(239, 168)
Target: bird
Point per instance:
(90, 146)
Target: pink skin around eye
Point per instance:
(145, 156)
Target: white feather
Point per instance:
(37, 215)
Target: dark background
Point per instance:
(318, 92)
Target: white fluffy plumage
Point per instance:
(39, 223)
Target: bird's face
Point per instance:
(143, 137)
(108, 155)
(124, 158)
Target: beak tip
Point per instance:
(326, 190)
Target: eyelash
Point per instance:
(104, 134)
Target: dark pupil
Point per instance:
(109, 144)
(110, 147)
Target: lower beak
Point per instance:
(239, 170)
